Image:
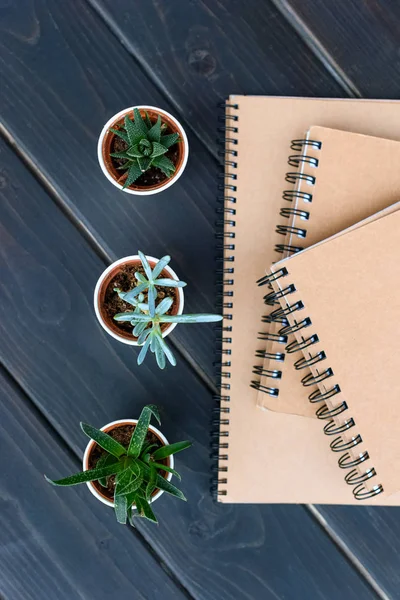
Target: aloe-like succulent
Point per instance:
(136, 469)
(148, 283)
(147, 328)
(147, 146)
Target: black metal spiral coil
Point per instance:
(279, 356)
(299, 233)
(295, 178)
(226, 211)
(288, 212)
(339, 443)
(299, 145)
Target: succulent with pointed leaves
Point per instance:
(136, 469)
(137, 302)
(146, 146)
(148, 282)
(147, 329)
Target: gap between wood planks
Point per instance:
(316, 47)
(61, 442)
(100, 247)
(358, 566)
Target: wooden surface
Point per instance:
(66, 68)
(60, 545)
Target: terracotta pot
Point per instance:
(102, 284)
(116, 177)
(96, 491)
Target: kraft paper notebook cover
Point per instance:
(287, 449)
(342, 178)
(349, 290)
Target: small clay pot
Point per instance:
(117, 177)
(96, 490)
(102, 284)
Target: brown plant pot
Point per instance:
(106, 140)
(103, 283)
(96, 489)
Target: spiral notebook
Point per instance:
(271, 456)
(346, 293)
(341, 179)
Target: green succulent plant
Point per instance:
(149, 282)
(136, 469)
(147, 146)
(147, 328)
(137, 302)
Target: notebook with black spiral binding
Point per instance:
(341, 298)
(341, 178)
(268, 456)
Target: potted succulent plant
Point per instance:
(142, 150)
(128, 464)
(136, 278)
(139, 300)
(149, 328)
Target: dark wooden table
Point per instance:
(67, 66)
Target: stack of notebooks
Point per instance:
(312, 206)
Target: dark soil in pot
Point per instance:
(122, 434)
(125, 280)
(153, 176)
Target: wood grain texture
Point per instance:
(362, 36)
(246, 47)
(66, 67)
(59, 543)
(63, 61)
(72, 371)
(373, 536)
(200, 51)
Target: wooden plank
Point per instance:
(360, 37)
(53, 346)
(377, 547)
(202, 51)
(67, 62)
(61, 545)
